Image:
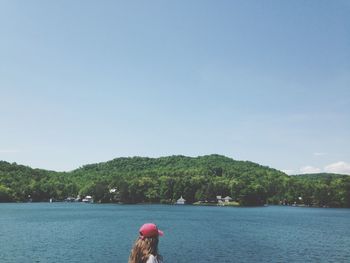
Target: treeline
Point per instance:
(330, 190)
(165, 179)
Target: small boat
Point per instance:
(88, 199)
(69, 199)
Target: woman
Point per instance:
(145, 249)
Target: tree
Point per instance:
(5, 194)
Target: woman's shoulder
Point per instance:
(153, 259)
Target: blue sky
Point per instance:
(89, 81)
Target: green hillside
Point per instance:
(165, 179)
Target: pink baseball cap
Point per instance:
(150, 230)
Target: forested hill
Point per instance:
(177, 166)
(165, 179)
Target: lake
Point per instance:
(76, 232)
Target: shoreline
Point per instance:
(235, 205)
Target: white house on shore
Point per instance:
(221, 200)
(227, 199)
(181, 201)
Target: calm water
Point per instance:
(63, 232)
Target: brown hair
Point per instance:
(143, 248)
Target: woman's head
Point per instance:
(150, 230)
(146, 244)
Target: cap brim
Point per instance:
(160, 232)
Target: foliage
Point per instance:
(165, 179)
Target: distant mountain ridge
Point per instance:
(322, 175)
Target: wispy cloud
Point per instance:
(319, 153)
(9, 151)
(309, 169)
(338, 167)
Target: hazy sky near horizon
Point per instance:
(88, 81)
